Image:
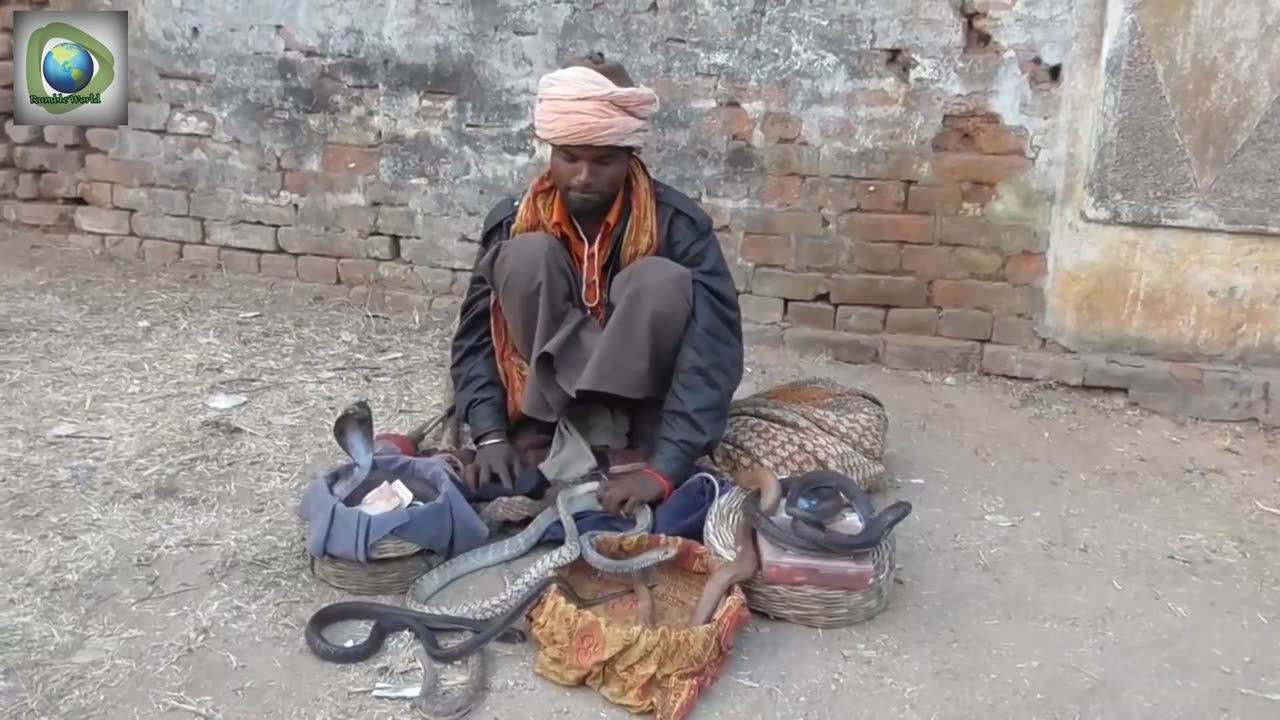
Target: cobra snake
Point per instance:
(353, 431)
(569, 502)
(792, 429)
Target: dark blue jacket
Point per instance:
(708, 369)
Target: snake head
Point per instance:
(353, 429)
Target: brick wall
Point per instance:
(888, 256)
(879, 181)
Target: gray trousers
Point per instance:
(571, 357)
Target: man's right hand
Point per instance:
(493, 458)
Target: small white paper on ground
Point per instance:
(223, 401)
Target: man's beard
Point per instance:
(587, 204)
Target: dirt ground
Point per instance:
(1068, 557)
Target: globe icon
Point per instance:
(67, 67)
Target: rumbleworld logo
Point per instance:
(70, 62)
(78, 68)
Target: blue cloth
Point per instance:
(682, 515)
(447, 525)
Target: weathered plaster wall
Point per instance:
(929, 184)
(1170, 126)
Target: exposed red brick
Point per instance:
(1015, 331)
(965, 324)
(878, 227)
(844, 162)
(761, 310)
(995, 297)
(309, 182)
(1032, 365)
(975, 194)
(982, 233)
(876, 257)
(899, 165)
(772, 282)
(845, 347)
(784, 192)
(813, 315)
(350, 159)
(786, 222)
(281, 266)
(733, 121)
(979, 132)
(1026, 269)
(970, 262)
(834, 194)
(912, 321)
(780, 127)
(880, 195)
(986, 169)
(878, 290)
(927, 262)
(816, 252)
(766, 249)
(858, 319)
(934, 199)
(909, 352)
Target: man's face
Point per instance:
(589, 178)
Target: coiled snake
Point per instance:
(354, 432)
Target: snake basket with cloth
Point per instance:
(809, 426)
(638, 652)
(383, 551)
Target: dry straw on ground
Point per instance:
(128, 496)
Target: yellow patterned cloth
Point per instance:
(661, 669)
(807, 425)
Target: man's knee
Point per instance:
(529, 258)
(658, 283)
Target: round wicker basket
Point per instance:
(394, 566)
(807, 605)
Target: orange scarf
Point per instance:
(542, 210)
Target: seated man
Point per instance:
(599, 285)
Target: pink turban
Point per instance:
(579, 106)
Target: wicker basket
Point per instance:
(394, 566)
(816, 607)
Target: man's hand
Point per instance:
(624, 493)
(493, 458)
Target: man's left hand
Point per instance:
(624, 493)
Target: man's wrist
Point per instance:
(493, 437)
(667, 486)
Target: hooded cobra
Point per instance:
(353, 431)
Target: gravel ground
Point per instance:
(1069, 557)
